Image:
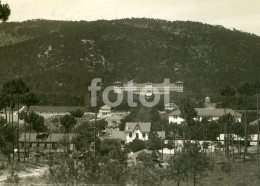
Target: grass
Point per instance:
(241, 174)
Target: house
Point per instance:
(104, 112)
(138, 87)
(170, 106)
(137, 130)
(49, 143)
(114, 120)
(212, 113)
(116, 134)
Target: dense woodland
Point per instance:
(59, 58)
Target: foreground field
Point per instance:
(239, 174)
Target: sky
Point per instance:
(239, 14)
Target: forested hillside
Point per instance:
(61, 58)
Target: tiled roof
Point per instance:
(144, 127)
(115, 134)
(217, 112)
(56, 109)
(53, 137)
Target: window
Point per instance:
(53, 146)
(45, 145)
(22, 144)
(143, 135)
(137, 136)
(130, 135)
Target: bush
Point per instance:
(227, 167)
(136, 145)
(13, 177)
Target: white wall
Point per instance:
(136, 131)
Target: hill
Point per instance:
(61, 58)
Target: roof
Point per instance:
(171, 105)
(217, 112)
(53, 137)
(115, 117)
(117, 82)
(56, 109)
(161, 134)
(105, 107)
(9, 109)
(144, 127)
(254, 122)
(178, 82)
(115, 134)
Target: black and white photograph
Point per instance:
(130, 92)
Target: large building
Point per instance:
(209, 111)
(138, 87)
(49, 143)
(212, 113)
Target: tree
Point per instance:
(155, 143)
(227, 92)
(188, 112)
(15, 87)
(141, 174)
(226, 121)
(197, 161)
(77, 113)
(257, 90)
(9, 88)
(136, 145)
(68, 122)
(7, 136)
(28, 99)
(239, 130)
(5, 12)
(21, 88)
(177, 167)
(170, 145)
(37, 123)
(85, 137)
(113, 149)
(245, 90)
(4, 103)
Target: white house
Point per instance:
(212, 113)
(104, 112)
(137, 130)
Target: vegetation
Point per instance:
(76, 52)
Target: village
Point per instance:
(131, 93)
